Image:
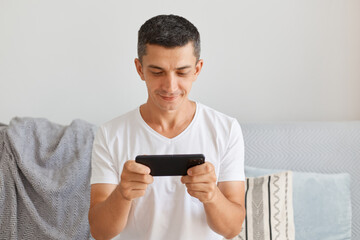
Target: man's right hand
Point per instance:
(135, 178)
(110, 203)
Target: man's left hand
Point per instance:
(201, 182)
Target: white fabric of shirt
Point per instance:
(167, 211)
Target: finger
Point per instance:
(131, 190)
(185, 179)
(129, 195)
(206, 178)
(130, 186)
(134, 177)
(135, 167)
(137, 193)
(201, 169)
(142, 178)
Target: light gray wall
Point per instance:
(264, 60)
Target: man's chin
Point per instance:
(170, 105)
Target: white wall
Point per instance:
(264, 60)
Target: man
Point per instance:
(126, 201)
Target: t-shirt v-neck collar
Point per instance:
(163, 138)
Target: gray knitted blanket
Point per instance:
(45, 179)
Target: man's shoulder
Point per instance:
(214, 115)
(219, 123)
(122, 120)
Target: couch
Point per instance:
(48, 199)
(325, 160)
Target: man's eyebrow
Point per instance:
(184, 67)
(156, 67)
(179, 68)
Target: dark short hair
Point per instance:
(168, 31)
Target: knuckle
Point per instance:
(125, 187)
(124, 177)
(141, 193)
(209, 167)
(183, 179)
(127, 166)
(125, 193)
(150, 179)
(145, 178)
(213, 178)
(142, 178)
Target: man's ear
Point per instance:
(139, 68)
(198, 67)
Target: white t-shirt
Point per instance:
(167, 211)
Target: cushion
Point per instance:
(269, 208)
(322, 204)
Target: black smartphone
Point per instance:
(170, 165)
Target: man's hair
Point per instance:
(168, 31)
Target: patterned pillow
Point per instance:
(269, 208)
(313, 195)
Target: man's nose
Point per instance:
(170, 83)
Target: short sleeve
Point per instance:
(103, 169)
(232, 162)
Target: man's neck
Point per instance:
(168, 123)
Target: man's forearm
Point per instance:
(107, 219)
(223, 216)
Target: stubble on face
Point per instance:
(169, 74)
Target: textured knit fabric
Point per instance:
(44, 179)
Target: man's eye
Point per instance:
(157, 73)
(182, 73)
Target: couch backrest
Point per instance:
(324, 147)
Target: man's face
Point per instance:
(169, 74)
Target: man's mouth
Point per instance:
(169, 98)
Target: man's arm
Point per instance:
(108, 211)
(223, 203)
(110, 204)
(226, 212)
